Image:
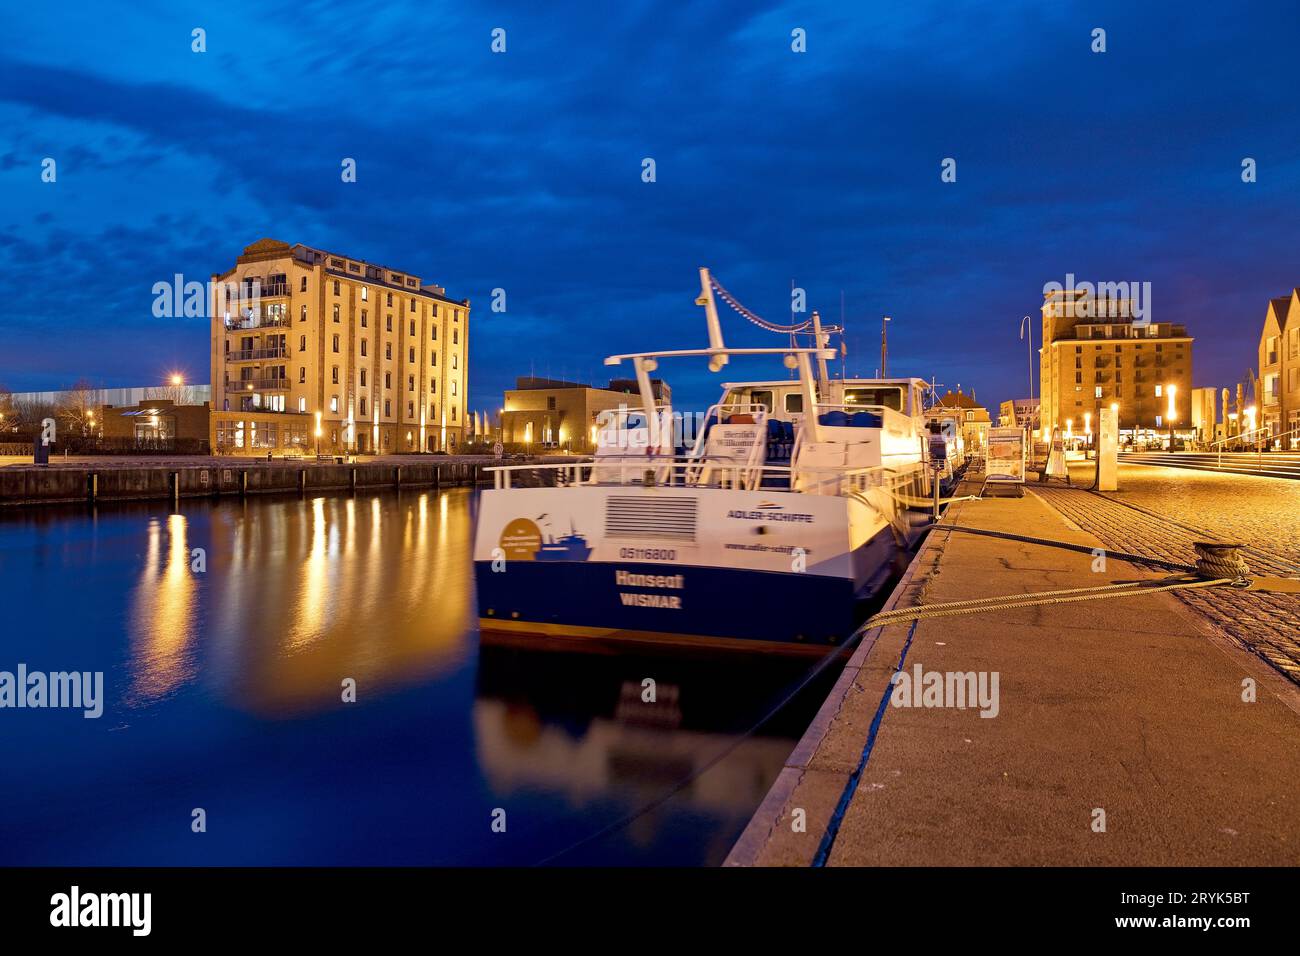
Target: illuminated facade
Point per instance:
(548, 413)
(1095, 355)
(313, 351)
(1279, 369)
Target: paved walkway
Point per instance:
(1180, 506)
(1131, 707)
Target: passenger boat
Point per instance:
(769, 531)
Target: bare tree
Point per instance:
(79, 408)
(178, 394)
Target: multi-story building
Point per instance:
(1279, 369)
(549, 413)
(1019, 411)
(315, 351)
(1095, 355)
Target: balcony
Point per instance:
(256, 320)
(257, 385)
(254, 355)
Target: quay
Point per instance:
(1152, 730)
(92, 479)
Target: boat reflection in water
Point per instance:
(226, 631)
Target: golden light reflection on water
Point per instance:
(302, 594)
(162, 613)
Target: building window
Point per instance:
(433, 386)
(302, 315)
(363, 408)
(453, 388)
(302, 404)
(334, 375)
(336, 311)
(432, 416)
(336, 286)
(336, 343)
(412, 328)
(388, 380)
(410, 409)
(1160, 421)
(455, 336)
(363, 348)
(390, 305)
(304, 285)
(453, 416)
(410, 355)
(302, 376)
(365, 294)
(302, 343)
(390, 323)
(410, 383)
(363, 378)
(388, 351)
(1159, 390)
(388, 406)
(1096, 392)
(412, 309)
(334, 404)
(364, 319)
(433, 329)
(433, 358)
(455, 360)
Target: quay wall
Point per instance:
(116, 481)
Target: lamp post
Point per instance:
(1028, 323)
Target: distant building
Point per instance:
(312, 349)
(974, 418)
(1094, 355)
(1019, 411)
(1204, 416)
(1279, 368)
(550, 413)
(130, 395)
(156, 421)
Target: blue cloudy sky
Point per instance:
(523, 171)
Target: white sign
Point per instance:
(1005, 460)
(498, 450)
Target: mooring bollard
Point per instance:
(397, 477)
(243, 484)
(302, 481)
(176, 486)
(92, 486)
(352, 481)
(1220, 559)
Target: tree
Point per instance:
(79, 408)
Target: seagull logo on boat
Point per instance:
(769, 505)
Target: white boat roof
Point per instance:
(843, 381)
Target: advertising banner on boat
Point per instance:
(1006, 455)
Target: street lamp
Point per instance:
(1249, 412)
(1028, 323)
(318, 434)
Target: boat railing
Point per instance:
(658, 471)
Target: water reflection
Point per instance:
(306, 594)
(580, 726)
(163, 613)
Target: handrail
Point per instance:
(1259, 452)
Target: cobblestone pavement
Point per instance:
(1182, 506)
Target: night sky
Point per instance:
(522, 171)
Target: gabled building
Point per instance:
(1279, 368)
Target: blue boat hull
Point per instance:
(586, 599)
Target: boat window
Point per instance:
(794, 402)
(763, 398)
(888, 397)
